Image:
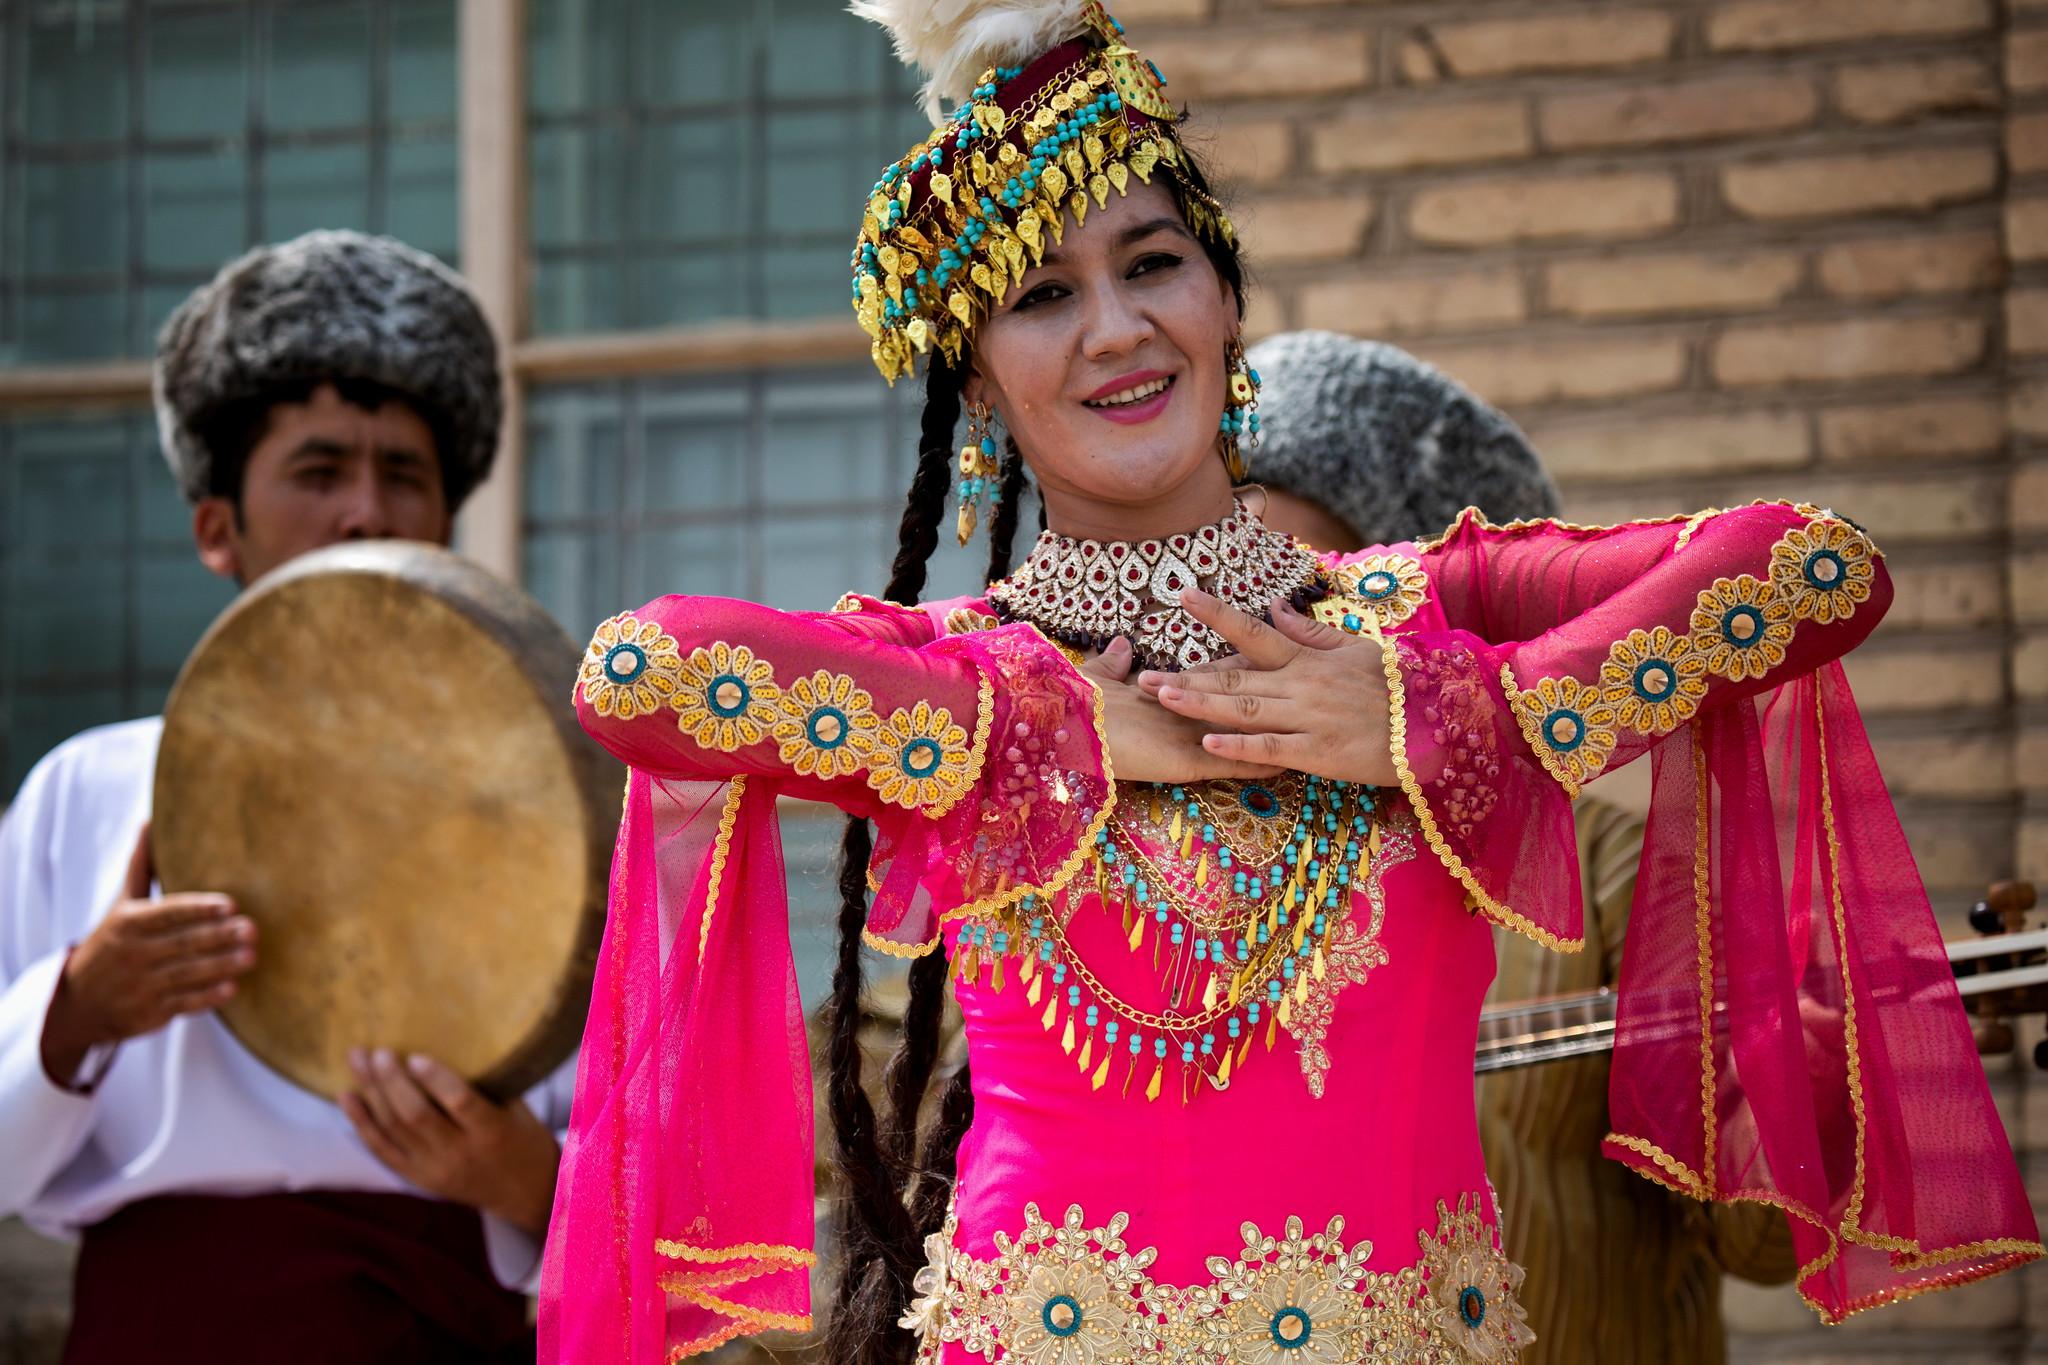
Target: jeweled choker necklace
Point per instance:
(1085, 593)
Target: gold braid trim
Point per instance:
(977, 753)
(743, 1251)
(1397, 737)
(1084, 846)
(1676, 1175)
(1694, 521)
(910, 950)
(721, 848)
(1703, 931)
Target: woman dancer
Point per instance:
(1203, 830)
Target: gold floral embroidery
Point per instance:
(1072, 1294)
(1352, 950)
(1822, 570)
(1654, 680)
(1473, 1287)
(1742, 627)
(828, 726)
(1568, 724)
(631, 668)
(921, 758)
(1389, 588)
(728, 697)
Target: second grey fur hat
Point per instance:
(1388, 445)
(332, 305)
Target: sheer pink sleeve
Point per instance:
(1789, 1029)
(684, 1208)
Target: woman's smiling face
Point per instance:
(1106, 364)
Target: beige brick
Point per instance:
(1421, 135)
(2030, 667)
(1265, 314)
(1893, 92)
(1692, 282)
(1251, 153)
(1383, 304)
(1918, 180)
(2030, 766)
(2026, 61)
(1136, 11)
(1892, 267)
(2026, 228)
(2027, 408)
(1860, 348)
(1966, 766)
(1593, 40)
(2031, 850)
(1943, 594)
(1531, 208)
(1533, 372)
(1904, 511)
(1219, 64)
(1668, 447)
(1772, 25)
(1678, 111)
(2029, 499)
(1307, 227)
(2026, 321)
(2030, 590)
(1926, 679)
(1917, 429)
(2026, 143)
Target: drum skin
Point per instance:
(373, 752)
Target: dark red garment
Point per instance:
(312, 1278)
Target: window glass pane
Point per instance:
(74, 62)
(708, 560)
(422, 77)
(193, 212)
(576, 50)
(745, 141)
(807, 562)
(420, 195)
(575, 576)
(77, 219)
(315, 187)
(319, 74)
(573, 454)
(176, 599)
(39, 721)
(158, 299)
(197, 75)
(696, 451)
(72, 324)
(580, 296)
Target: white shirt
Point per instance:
(186, 1109)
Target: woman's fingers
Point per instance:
(1260, 644)
(1113, 664)
(1152, 679)
(1306, 631)
(1238, 710)
(1273, 752)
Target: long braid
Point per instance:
(1002, 531)
(880, 1246)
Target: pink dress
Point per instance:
(1221, 1035)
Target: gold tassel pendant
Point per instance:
(1102, 1072)
(1152, 1087)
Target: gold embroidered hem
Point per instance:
(1071, 1294)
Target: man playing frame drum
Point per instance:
(333, 388)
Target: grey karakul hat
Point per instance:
(1384, 443)
(332, 305)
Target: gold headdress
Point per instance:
(1065, 112)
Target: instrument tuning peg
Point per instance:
(2041, 1054)
(1985, 919)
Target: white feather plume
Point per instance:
(954, 41)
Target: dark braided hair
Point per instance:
(896, 1189)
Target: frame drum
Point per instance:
(372, 751)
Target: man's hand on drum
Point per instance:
(430, 1126)
(1298, 694)
(146, 963)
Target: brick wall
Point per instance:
(1708, 251)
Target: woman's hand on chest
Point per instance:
(1147, 742)
(1298, 694)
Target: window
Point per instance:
(101, 597)
(783, 487)
(690, 162)
(147, 143)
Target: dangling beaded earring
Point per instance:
(1240, 411)
(980, 470)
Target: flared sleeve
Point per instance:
(684, 1209)
(1789, 1030)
